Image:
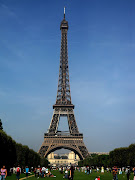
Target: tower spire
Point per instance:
(64, 12)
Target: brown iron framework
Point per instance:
(53, 139)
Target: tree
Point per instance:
(131, 155)
(14, 153)
(1, 127)
(95, 160)
(44, 162)
(119, 157)
(8, 150)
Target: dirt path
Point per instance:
(27, 177)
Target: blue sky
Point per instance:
(101, 47)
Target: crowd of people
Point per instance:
(39, 172)
(67, 171)
(114, 170)
(42, 172)
(127, 171)
(18, 171)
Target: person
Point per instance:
(61, 170)
(3, 173)
(18, 172)
(120, 171)
(46, 171)
(43, 171)
(97, 169)
(128, 173)
(38, 171)
(134, 172)
(102, 169)
(114, 174)
(27, 171)
(110, 170)
(66, 174)
(97, 178)
(88, 170)
(35, 171)
(71, 175)
(50, 174)
(116, 171)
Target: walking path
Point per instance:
(27, 177)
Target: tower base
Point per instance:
(71, 142)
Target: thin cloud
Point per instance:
(7, 11)
(2, 93)
(99, 93)
(13, 49)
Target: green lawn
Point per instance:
(77, 176)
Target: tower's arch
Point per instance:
(64, 147)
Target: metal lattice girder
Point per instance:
(63, 92)
(69, 113)
(54, 140)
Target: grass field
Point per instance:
(77, 176)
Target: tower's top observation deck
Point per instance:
(64, 24)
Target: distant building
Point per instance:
(63, 159)
(99, 153)
(67, 159)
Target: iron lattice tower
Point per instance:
(54, 139)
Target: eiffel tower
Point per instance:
(53, 139)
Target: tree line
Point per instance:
(123, 156)
(119, 157)
(95, 160)
(13, 154)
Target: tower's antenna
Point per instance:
(64, 12)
